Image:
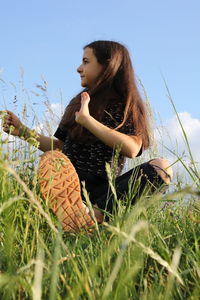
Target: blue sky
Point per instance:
(45, 38)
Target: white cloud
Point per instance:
(171, 136)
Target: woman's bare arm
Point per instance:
(15, 127)
(130, 145)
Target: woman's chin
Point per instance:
(83, 84)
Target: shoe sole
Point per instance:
(60, 188)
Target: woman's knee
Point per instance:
(163, 168)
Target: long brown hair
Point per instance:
(116, 83)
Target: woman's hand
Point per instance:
(83, 114)
(11, 123)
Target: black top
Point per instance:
(91, 157)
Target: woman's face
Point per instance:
(90, 69)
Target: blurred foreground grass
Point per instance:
(148, 251)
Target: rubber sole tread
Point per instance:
(60, 188)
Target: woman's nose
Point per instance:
(79, 69)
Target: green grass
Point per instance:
(151, 251)
(148, 251)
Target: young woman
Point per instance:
(108, 114)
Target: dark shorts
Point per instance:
(141, 179)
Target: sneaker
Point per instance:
(60, 187)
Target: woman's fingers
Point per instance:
(11, 123)
(7, 119)
(6, 124)
(83, 113)
(85, 97)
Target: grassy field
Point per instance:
(148, 251)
